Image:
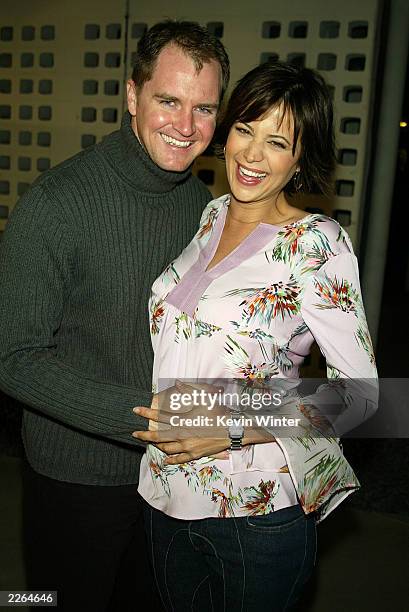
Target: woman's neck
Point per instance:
(252, 213)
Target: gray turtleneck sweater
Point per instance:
(77, 261)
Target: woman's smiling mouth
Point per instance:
(249, 177)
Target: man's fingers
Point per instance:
(148, 413)
(153, 415)
(163, 435)
(170, 448)
(176, 459)
(223, 455)
(185, 457)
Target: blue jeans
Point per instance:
(233, 564)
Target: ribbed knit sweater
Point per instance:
(77, 261)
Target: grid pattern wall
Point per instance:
(61, 85)
(62, 74)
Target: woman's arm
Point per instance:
(333, 310)
(207, 436)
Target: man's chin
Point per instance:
(175, 165)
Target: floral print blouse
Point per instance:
(254, 315)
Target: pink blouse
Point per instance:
(255, 315)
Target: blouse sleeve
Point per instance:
(332, 309)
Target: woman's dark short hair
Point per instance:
(192, 38)
(305, 95)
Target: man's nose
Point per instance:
(184, 122)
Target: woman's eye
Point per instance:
(278, 144)
(242, 130)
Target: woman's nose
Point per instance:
(254, 152)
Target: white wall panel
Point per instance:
(53, 100)
(85, 101)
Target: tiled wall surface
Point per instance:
(63, 68)
(61, 85)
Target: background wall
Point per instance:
(63, 68)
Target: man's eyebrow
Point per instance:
(165, 96)
(208, 105)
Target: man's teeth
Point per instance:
(246, 172)
(176, 143)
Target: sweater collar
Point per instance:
(134, 164)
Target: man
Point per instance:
(77, 261)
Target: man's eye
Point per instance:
(205, 110)
(169, 103)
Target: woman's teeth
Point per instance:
(176, 143)
(251, 173)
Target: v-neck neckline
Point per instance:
(240, 252)
(256, 239)
(185, 295)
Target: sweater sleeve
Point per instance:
(36, 268)
(332, 309)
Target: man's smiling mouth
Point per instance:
(183, 144)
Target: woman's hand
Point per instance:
(193, 432)
(185, 443)
(181, 443)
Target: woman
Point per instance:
(244, 301)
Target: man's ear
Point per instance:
(132, 97)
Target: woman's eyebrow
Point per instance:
(269, 135)
(279, 136)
